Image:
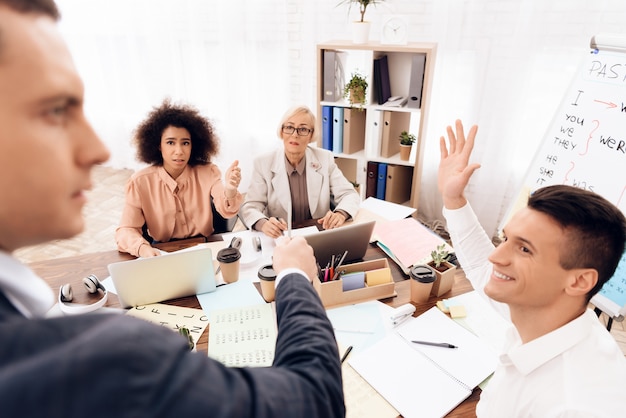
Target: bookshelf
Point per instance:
(377, 143)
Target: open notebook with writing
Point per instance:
(407, 242)
(426, 381)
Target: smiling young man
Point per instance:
(111, 365)
(557, 253)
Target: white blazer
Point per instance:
(269, 193)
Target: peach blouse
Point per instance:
(172, 208)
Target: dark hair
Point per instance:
(204, 141)
(595, 229)
(44, 7)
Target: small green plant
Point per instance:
(355, 89)
(362, 5)
(439, 254)
(407, 138)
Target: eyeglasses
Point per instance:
(289, 130)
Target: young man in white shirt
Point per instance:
(559, 360)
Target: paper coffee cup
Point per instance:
(229, 264)
(422, 279)
(267, 278)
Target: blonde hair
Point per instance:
(295, 111)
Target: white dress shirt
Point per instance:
(26, 291)
(577, 370)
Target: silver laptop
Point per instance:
(354, 238)
(169, 276)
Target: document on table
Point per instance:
(243, 336)
(422, 380)
(173, 317)
(407, 242)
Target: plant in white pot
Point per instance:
(361, 28)
(406, 143)
(444, 270)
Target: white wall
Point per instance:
(502, 64)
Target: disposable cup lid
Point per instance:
(267, 273)
(423, 274)
(228, 255)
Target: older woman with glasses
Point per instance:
(299, 179)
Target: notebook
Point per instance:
(169, 276)
(423, 380)
(354, 238)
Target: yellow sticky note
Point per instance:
(457, 311)
(378, 276)
(442, 306)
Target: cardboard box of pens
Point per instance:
(358, 282)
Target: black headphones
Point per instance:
(92, 284)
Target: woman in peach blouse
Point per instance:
(172, 196)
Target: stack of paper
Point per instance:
(407, 242)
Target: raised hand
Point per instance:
(232, 178)
(454, 167)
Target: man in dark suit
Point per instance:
(108, 364)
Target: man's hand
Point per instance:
(454, 168)
(294, 253)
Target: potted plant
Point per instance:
(355, 89)
(361, 28)
(406, 142)
(444, 270)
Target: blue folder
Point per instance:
(338, 129)
(327, 127)
(381, 181)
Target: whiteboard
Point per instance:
(585, 144)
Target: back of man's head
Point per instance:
(594, 227)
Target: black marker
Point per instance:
(345, 355)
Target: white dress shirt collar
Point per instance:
(528, 357)
(26, 291)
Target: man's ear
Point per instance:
(581, 282)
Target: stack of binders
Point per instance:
(389, 182)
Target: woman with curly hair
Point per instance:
(172, 197)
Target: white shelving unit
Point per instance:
(360, 57)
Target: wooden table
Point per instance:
(72, 269)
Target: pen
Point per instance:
(289, 219)
(444, 345)
(345, 355)
(343, 257)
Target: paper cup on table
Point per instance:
(229, 264)
(422, 279)
(267, 278)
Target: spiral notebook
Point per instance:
(426, 381)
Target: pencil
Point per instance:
(345, 355)
(289, 219)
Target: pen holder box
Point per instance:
(332, 294)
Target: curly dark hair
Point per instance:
(204, 141)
